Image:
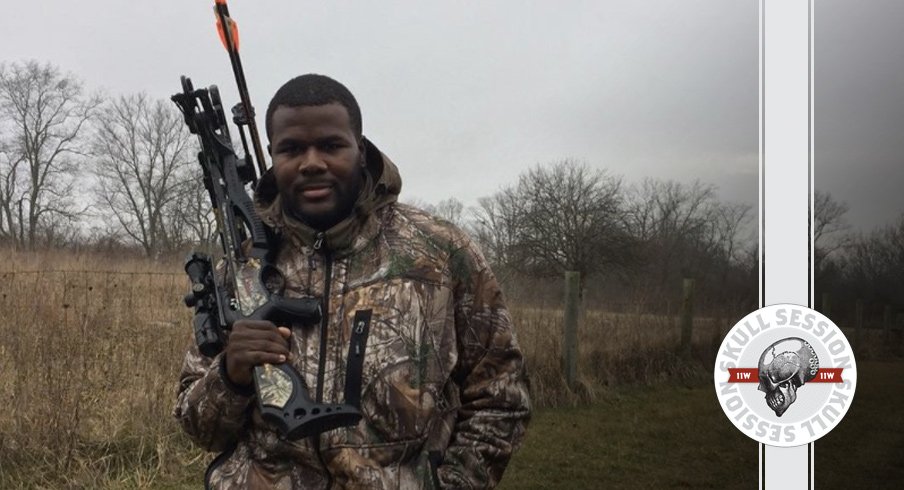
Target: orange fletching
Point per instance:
(220, 2)
(233, 29)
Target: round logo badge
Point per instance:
(785, 375)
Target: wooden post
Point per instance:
(826, 305)
(858, 322)
(570, 345)
(687, 315)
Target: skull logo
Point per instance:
(784, 367)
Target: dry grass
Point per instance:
(90, 350)
(613, 349)
(88, 367)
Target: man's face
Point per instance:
(317, 162)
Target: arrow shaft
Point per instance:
(229, 39)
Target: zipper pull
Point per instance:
(359, 329)
(319, 241)
(309, 253)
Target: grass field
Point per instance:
(866, 450)
(90, 351)
(654, 437)
(673, 436)
(668, 436)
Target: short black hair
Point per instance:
(313, 90)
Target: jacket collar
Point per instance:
(382, 184)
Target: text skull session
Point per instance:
(785, 375)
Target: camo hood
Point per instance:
(382, 184)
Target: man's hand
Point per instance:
(252, 343)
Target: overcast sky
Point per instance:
(859, 107)
(464, 96)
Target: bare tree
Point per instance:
(143, 163)
(670, 208)
(829, 227)
(734, 240)
(11, 158)
(42, 114)
(194, 211)
(685, 231)
(569, 217)
(731, 230)
(872, 265)
(496, 227)
(451, 210)
(676, 224)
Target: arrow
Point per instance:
(228, 31)
(232, 44)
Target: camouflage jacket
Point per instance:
(444, 392)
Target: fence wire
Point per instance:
(76, 295)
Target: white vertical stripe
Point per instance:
(785, 183)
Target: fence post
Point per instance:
(858, 322)
(687, 315)
(570, 345)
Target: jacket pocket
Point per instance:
(216, 463)
(401, 378)
(397, 405)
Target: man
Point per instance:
(443, 386)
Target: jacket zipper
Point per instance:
(324, 332)
(325, 319)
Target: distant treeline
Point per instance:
(852, 266)
(632, 243)
(118, 175)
